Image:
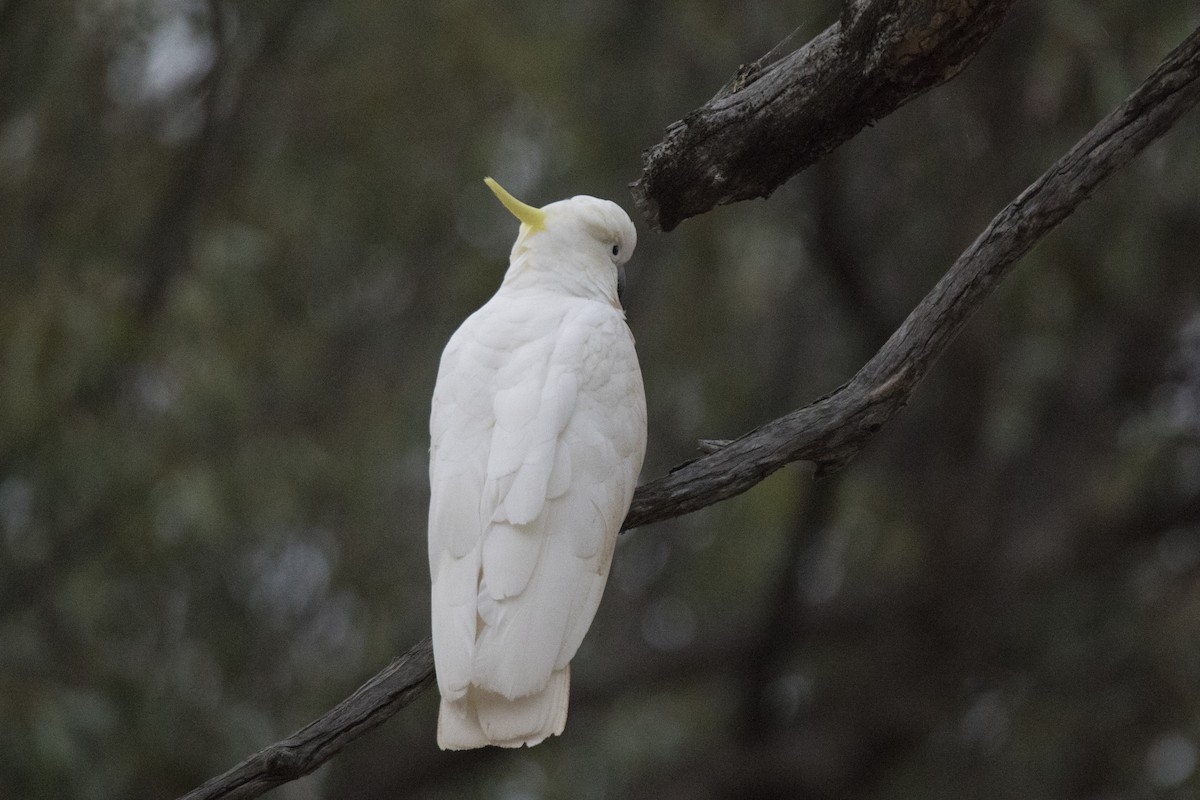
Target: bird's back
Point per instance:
(538, 432)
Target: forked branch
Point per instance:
(830, 431)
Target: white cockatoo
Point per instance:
(538, 431)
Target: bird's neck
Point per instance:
(534, 271)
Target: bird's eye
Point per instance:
(616, 249)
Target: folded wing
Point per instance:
(531, 478)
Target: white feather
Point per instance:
(538, 429)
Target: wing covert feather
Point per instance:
(530, 476)
(598, 452)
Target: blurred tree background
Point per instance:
(234, 237)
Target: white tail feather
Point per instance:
(482, 718)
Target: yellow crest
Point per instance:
(535, 218)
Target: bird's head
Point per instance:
(580, 244)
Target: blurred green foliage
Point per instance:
(234, 237)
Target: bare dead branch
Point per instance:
(774, 119)
(828, 432)
(310, 747)
(832, 430)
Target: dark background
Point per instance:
(234, 237)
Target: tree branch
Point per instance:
(774, 119)
(832, 430)
(310, 747)
(828, 432)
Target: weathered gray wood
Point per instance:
(774, 119)
(296, 756)
(832, 430)
(829, 432)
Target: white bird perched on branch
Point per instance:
(538, 431)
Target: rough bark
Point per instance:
(835, 428)
(777, 117)
(830, 431)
